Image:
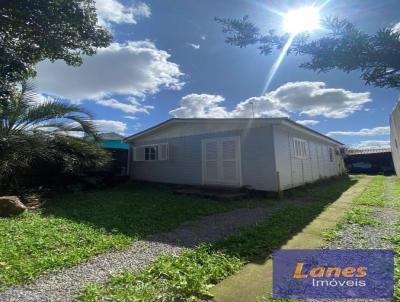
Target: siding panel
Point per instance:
(298, 171)
(185, 159)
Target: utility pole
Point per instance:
(252, 108)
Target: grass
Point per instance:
(257, 242)
(74, 227)
(363, 206)
(360, 216)
(32, 244)
(169, 278)
(189, 276)
(373, 195)
(396, 240)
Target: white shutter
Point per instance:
(221, 161)
(211, 160)
(229, 166)
(138, 154)
(163, 151)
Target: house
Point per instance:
(369, 161)
(269, 154)
(112, 140)
(118, 149)
(395, 137)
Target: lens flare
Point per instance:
(301, 19)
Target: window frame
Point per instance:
(300, 148)
(155, 148)
(331, 154)
(151, 152)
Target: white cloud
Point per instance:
(314, 99)
(307, 122)
(110, 126)
(132, 106)
(203, 37)
(306, 98)
(137, 68)
(362, 132)
(200, 105)
(194, 46)
(112, 11)
(207, 105)
(372, 144)
(130, 117)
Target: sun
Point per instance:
(301, 19)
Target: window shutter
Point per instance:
(138, 154)
(163, 151)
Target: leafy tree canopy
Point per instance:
(34, 30)
(345, 47)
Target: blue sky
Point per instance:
(169, 59)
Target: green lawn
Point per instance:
(74, 227)
(396, 240)
(191, 275)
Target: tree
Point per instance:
(345, 47)
(34, 30)
(33, 133)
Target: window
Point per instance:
(151, 153)
(330, 150)
(154, 152)
(300, 148)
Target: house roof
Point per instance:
(111, 136)
(246, 121)
(367, 151)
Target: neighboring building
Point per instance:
(269, 154)
(112, 140)
(369, 161)
(395, 137)
(115, 144)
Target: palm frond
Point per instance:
(87, 126)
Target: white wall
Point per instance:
(184, 165)
(395, 137)
(295, 171)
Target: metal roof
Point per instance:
(367, 151)
(247, 120)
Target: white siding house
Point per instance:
(269, 154)
(395, 137)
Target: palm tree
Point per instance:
(34, 131)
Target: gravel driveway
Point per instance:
(353, 236)
(64, 285)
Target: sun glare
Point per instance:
(301, 20)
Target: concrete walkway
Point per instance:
(254, 281)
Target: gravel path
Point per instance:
(67, 283)
(371, 237)
(354, 236)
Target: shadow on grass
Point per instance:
(138, 210)
(256, 243)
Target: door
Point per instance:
(221, 161)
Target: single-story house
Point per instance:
(395, 137)
(269, 154)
